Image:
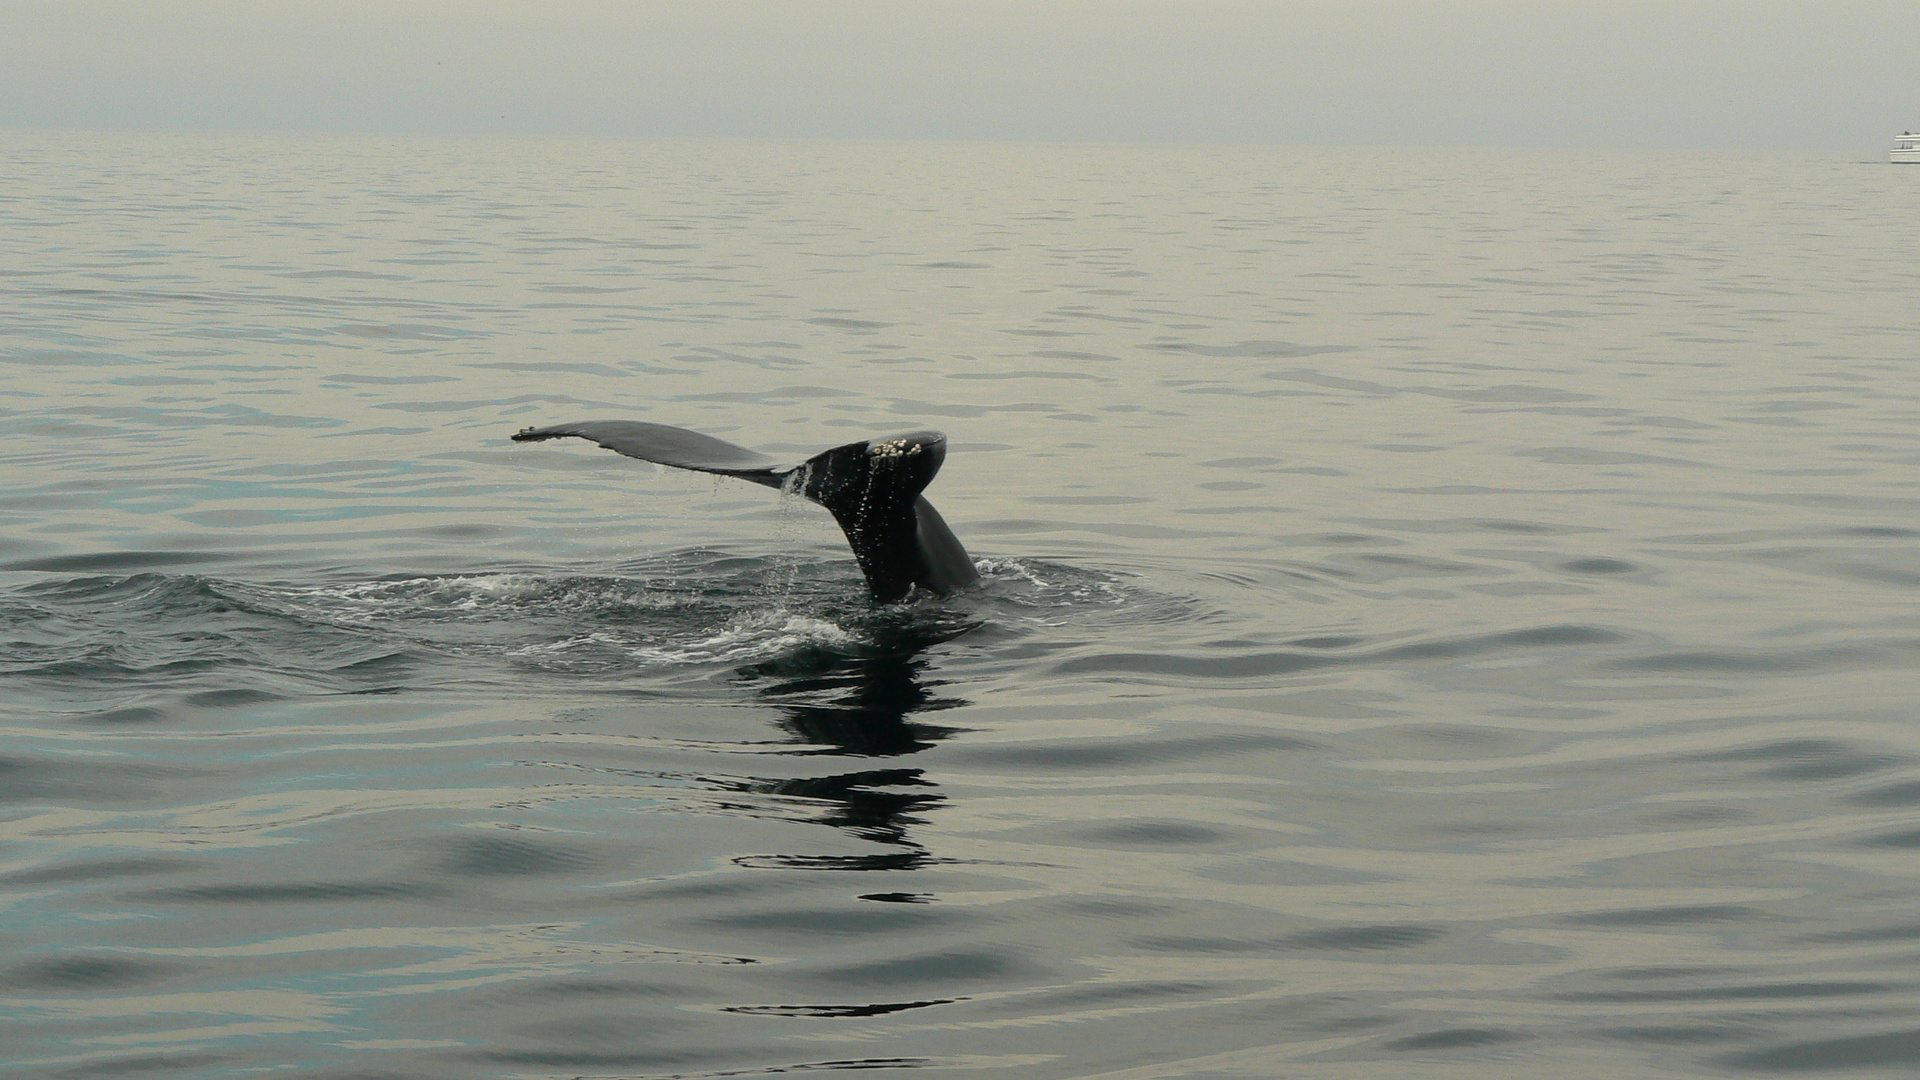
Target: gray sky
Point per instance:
(1836, 75)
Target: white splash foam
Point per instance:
(1009, 568)
(755, 636)
(454, 591)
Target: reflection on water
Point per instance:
(855, 705)
(1454, 619)
(860, 706)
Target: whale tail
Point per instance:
(872, 488)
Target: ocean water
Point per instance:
(1443, 614)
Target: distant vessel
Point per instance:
(1906, 149)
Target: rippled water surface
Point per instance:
(1447, 615)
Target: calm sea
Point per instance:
(1443, 613)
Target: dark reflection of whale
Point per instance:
(855, 705)
(858, 706)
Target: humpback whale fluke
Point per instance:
(871, 488)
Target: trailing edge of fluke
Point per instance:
(871, 488)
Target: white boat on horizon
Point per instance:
(1906, 149)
